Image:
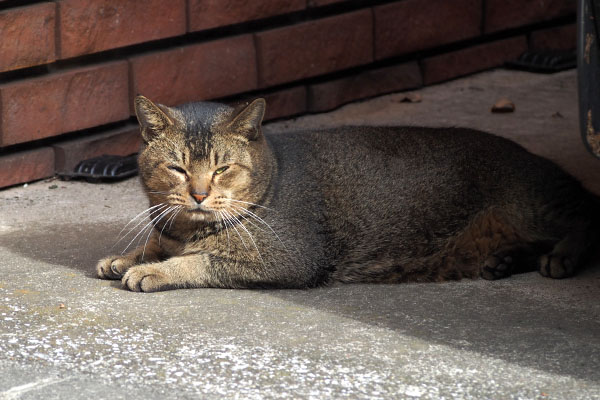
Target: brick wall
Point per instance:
(70, 68)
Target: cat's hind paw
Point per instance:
(145, 278)
(113, 267)
(556, 266)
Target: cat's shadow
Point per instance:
(70, 245)
(525, 319)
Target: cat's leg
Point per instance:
(175, 272)
(206, 270)
(510, 260)
(114, 267)
(567, 255)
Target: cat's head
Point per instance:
(206, 160)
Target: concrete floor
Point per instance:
(65, 334)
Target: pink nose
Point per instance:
(199, 197)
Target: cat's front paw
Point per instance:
(145, 278)
(497, 266)
(113, 267)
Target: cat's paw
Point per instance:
(497, 266)
(145, 278)
(113, 267)
(556, 266)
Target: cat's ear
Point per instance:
(248, 121)
(153, 120)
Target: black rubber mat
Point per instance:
(103, 168)
(547, 61)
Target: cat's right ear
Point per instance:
(153, 121)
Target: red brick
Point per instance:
(504, 14)
(27, 36)
(329, 95)
(561, 38)
(198, 72)
(285, 103)
(26, 166)
(206, 14)
(89, 26)
(120, 142)
(314, 48)
(414, 25)
(63, 102)
(472, 59)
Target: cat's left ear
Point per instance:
(247, 122)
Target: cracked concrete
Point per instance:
(65, 334)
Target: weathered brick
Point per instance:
(207, 14)
(314, 48)
(561, 38)
(413, 25)
(504, 14)
(89, 26)
(198, 72)
(26, 166)
(329, 95)
(472, 59)
(41, 107)
(285, 103)
(120, 142)
(27, 36)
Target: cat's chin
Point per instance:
(198, 214)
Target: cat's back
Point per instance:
(420, 178)
(367, 157)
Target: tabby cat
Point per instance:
(232, 207)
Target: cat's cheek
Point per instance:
(228, 194)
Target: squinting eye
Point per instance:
(221, 170)
(178, 169)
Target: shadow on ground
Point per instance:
(526, 319)
(549, 325)
(75, 246)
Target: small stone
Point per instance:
(503, 105)
(410, 98)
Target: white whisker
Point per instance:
(144, 229)
(181, 208)
(252, 204)
(231, 216)
(216, 217)
(259, 219)
(246, 219)
(148, 227)
(251, 238)
(148, 210)
(226, 230)
(174, 213)
(162, 215)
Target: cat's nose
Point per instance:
(199, 197)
